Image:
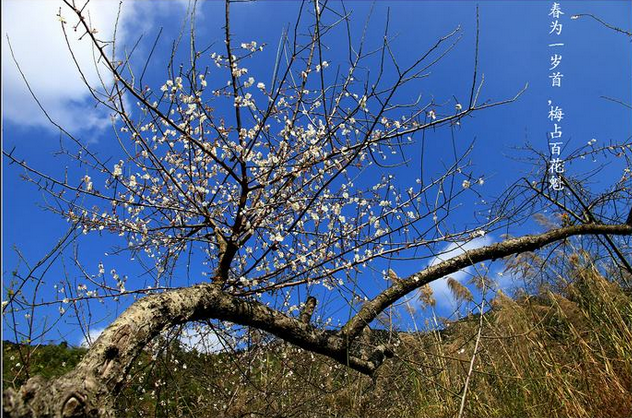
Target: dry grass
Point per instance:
(554, 354)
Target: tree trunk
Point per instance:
(91, 388)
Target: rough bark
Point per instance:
(91, 388)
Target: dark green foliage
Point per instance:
(23, 361)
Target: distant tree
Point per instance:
(291, 189)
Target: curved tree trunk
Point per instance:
(90, 390)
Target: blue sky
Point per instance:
(513, 51)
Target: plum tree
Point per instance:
(281, 188)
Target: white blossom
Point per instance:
(87, 181)
(118, 169)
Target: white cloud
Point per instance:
(92, 336)
(440, 288)
(202, 339)
(40, 49)
(37, 40)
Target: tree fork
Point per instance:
(91, 388)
